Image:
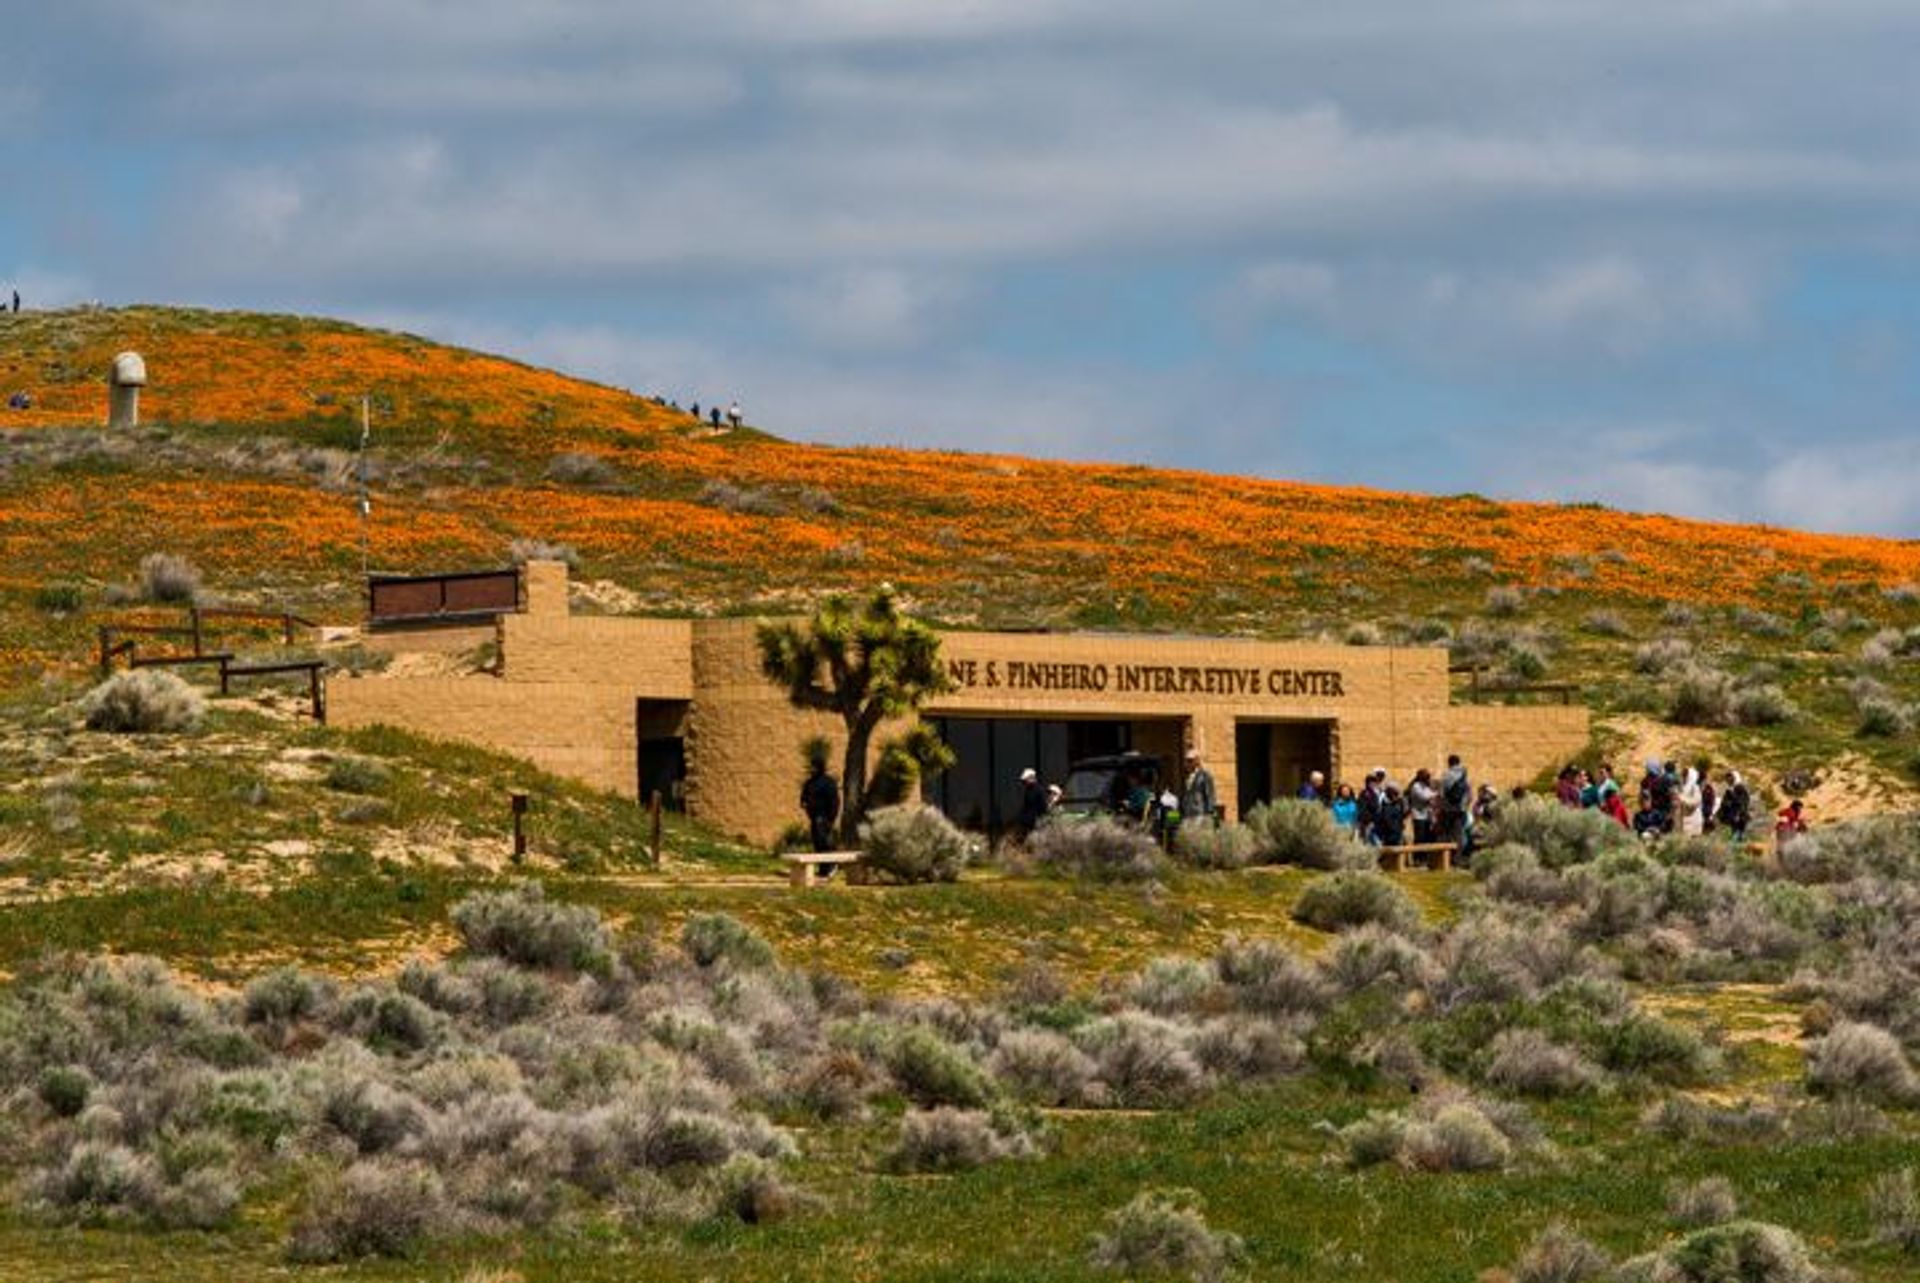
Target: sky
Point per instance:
(1660, 254)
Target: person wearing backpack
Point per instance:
(1736, 808)
(1456, 795)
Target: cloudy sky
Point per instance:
(1660, 253)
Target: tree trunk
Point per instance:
(853, 785)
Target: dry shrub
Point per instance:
(522, 926)
(1560, 836)
(912, 843)
(1143, 1061)
(1894, 1208)
(1446, 1133)
(956, 1140)
(1530, 1063)
(380, 1207)
(1351, 899)
(1042, 1067)
(1265, 976)
(1175, 987)
(1373, 955)
(1245, 1048)
(1100, 849)
(524, 550)
(166, 577)
(1163, 1232)
(1558, 1255)
(574, 468)
(1293, 831)
(731, 496)
(1747, 1251)
(1662, 655)
(1858, 1059)
(1505, 601)
(1710, 1201)
(143, 701)
(1215, 846)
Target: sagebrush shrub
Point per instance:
(955, 1140)
(1042, 1067)
(1530, 1063)
(712, 938)
(1143, 1060)
(524, 550)
(379, 1207)
(286, 994)
(574, 468)
(1710, 1201)
(1215, 846)
(1605, 623)
(1459, 1137)
(524, 927)
(1100, 848)
(1746, 1251)
(930, 1071)
(1894, 1208)
(166, 577)
(1293, 831)
(1265, 976)
(1505, 601)
(1861, 1060)
(1662, 655)
(1164, 1232)
(1175, 986)
(1247, 1048)
(1558, 1255)
(912, 843)
(1370, 955)
(1351, 899)
(1560, 836)
(350, 773)
(143, 701)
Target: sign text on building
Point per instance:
(1143, 679)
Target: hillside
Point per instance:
(244, 468)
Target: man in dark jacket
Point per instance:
(1033, 802)
(1456, 795)
(1390, 821)
(820, 802)
(1367, 806)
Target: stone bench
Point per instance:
(1439, 855)
(802, 866)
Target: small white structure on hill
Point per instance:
(124, 382)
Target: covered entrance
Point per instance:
(1272, 759)
(660, 751)
(982, 790)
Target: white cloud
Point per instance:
(871, 309)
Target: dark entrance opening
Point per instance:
(1273, 759)
(982, 790)
(660, 756)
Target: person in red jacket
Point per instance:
(1791, 824)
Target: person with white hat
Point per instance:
(1033, 802)
(1198, 799)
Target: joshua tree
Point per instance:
(864, 661)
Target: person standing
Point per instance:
(1390, 821)
(733, 414)
(1692, 822)
(820, 802)
(1033, 802)
(1198, 799)
(1421, 796)
(1346, 807)
(1736, 808)
(1792, 822)
(1456, 796)
(1315, 788)
(16, 302)
(1367, 805)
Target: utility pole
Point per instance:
(366, 502)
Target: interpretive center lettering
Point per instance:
(1143, 679)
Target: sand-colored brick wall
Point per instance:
(1507, 745)
(579, 729)
(651, 658)
(544, 584)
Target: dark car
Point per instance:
(1117, 784)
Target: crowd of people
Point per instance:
(731, 416)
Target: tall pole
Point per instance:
(366, 503)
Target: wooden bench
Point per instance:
(1439, 855)
(801, 865)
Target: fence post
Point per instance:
(286, 626)
(518, 801)
(106, 651)
(659, 850)
(317, 687)
(223, 674)
(193, 619)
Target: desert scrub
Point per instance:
(1527, 1062)
(1558, 1255)
(524, 550)
(912, 843)
(1100, 849)
(711, 939)
(522, 926)
(165, 577)
(1206, 845)
(1559, 836)
(958, 1140)
(1858, 1059)
(1292, 831)
(1352, 899)
(350, 773)
(143, 701)
(1711, 1201)
(1447, 1133)
(1894, 1208)
(1164, 1232)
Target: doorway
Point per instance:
(981, 790)
(1273, 759)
